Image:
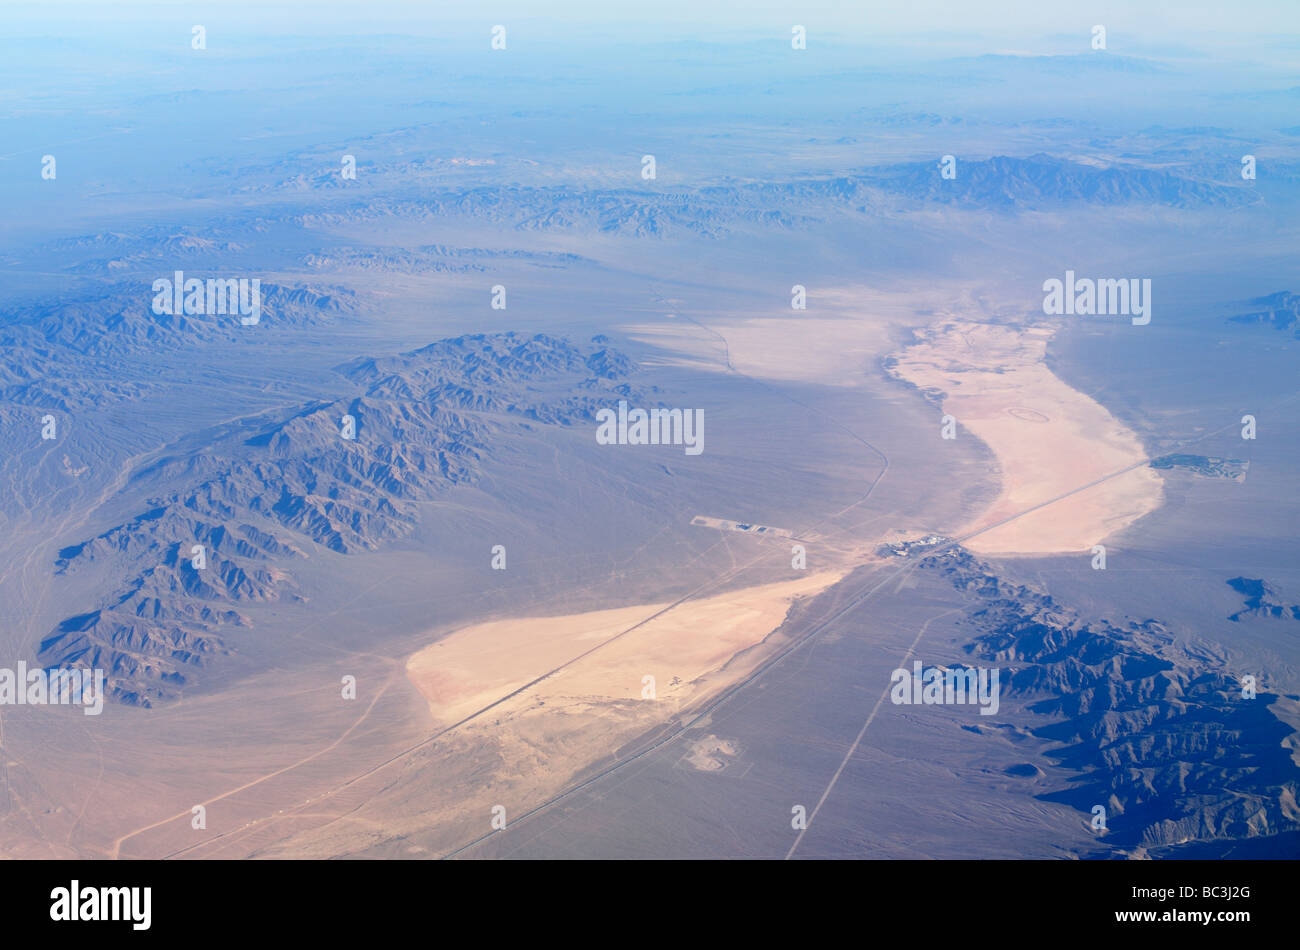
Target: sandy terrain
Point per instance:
(1049, 439)
(710, 754)
(604, 655)
(585, 703)
(831, 343)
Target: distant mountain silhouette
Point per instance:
(1280, 311)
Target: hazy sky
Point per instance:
(1154, 21)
